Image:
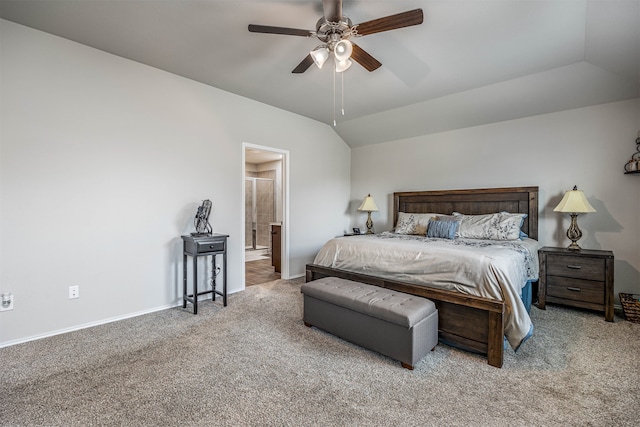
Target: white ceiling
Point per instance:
(255, 156)
(471, 62)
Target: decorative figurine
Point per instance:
(201, 221)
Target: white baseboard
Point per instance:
(87, 325)
(98, 322)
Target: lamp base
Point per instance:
(574, 233)
(574, 246)
(369, 224)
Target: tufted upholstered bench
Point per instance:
(401, 326)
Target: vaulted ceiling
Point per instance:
(471, 62)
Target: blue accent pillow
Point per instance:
(442, 229)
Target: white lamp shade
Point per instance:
(320, 56)
(342, 50)
(368, 205)
(574, 201)
(342, 65)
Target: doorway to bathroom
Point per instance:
(264, 201)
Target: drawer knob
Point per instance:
(574, 267)
(573, 289)
(212, 246)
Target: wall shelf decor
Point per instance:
(633, 165)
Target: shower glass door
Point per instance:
(259, 212)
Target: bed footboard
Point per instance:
(472, 323)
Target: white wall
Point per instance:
(103, 164)
(587, 147)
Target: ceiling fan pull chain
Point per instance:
(334, 96)
(342, 93)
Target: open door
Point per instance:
(265, 210)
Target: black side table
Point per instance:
(196, 246)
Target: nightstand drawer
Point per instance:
(211, 246)
(576, 267)
(588, 291)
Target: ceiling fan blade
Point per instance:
(332, 10)
(363, 58)
(279, 30)
(304, 65)
(400, 20)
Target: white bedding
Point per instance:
(487, 268)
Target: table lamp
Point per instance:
(369, 205)
(574, 202)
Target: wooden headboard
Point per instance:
(472, 202)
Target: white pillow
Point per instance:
(497, 226)
(413, 223)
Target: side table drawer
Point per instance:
(210, 246)
(588, 291)
(576, 267)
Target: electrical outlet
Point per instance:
(74, 292)
(7, 302)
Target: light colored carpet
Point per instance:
(255, 363)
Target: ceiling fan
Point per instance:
(334, 30)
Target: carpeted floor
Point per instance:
(255, 363)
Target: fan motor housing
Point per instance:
(325, 29)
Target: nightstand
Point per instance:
(577, 278)
(204, 245)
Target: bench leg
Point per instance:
(407, 366)
(308, 325)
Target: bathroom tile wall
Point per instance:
(265, 208)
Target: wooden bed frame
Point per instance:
(465, 321)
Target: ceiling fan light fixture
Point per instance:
(342, 50)
(320, 55)
(343, 65)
